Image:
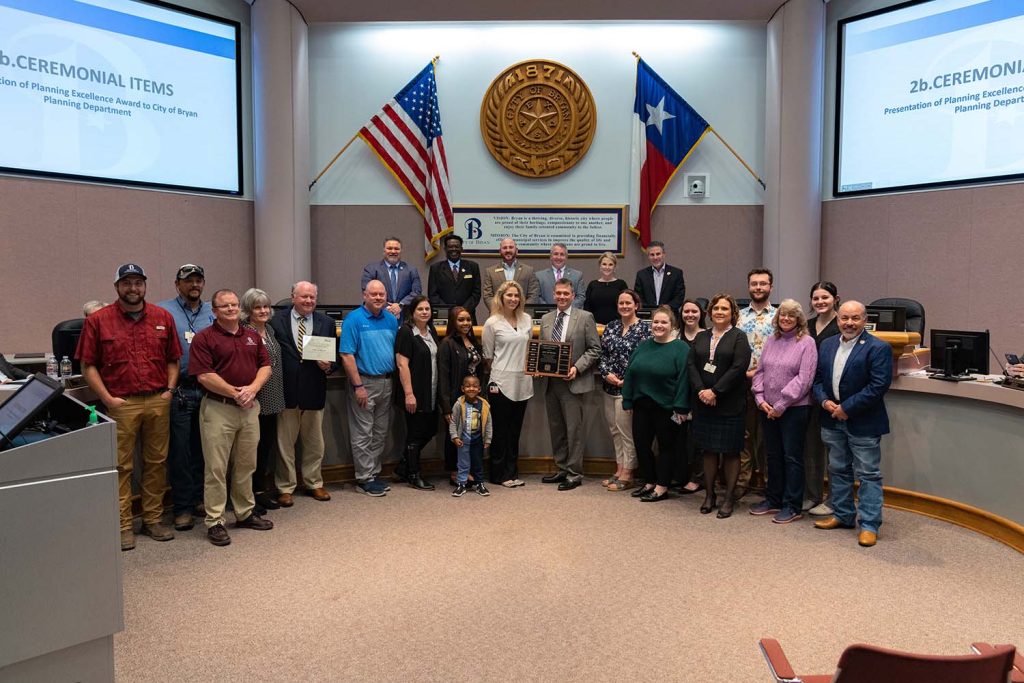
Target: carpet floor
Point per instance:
(533, 584)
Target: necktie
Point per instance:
(302, 334)
(394, 282)
(455, 272)
(556, 333)
(558, 274)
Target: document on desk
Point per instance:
(319, 348)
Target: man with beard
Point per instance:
(454, 281)
(305, 395)
(185, 455)
(401, 280)
(756, 321)
(129, 353)
(509, 268)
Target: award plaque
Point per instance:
(546, 358)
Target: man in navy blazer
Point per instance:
(854, 372)
(668, 288)
(546, 278)
(305, 395)
(401, 281)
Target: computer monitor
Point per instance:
(440, 314)
(645, 313)
(538, 311)
(336, 313)
(25, 405)
(956, 354)
(887, 318)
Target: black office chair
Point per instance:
(702, 303)
(915, 314)
(64, 340)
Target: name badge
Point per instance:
(467, 276)
(710, 367)
(188, 336)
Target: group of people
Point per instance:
(221, 388)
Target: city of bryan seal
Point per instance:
(538, 118)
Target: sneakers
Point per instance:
(786, 516)
(256, 522)
(387, 486)
(822, 509)
(183, 522)
(481, 489)
(127, 539)
(372, 488)
(764, 508)
(158, 532)
(460, 488)
(218, 535)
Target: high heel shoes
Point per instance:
(710, 501)
(725, 511)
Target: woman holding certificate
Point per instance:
(505, 338)
(416, 359)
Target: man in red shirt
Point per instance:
(231, 364)
(129, 352)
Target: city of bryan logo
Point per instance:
(538, 118)
(474, 231)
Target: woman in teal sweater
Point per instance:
(657, 391)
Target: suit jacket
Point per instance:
(409, 285)
(586, 346)
(865, 379)
(494, 275)
(546, 282)
(305, 384)
(673, 287)
(728, 381)
(444, 290)
(11, 371)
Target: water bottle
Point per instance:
(65, 368)
(51, 366)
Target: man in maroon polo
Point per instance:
(231, 364)
(129, 352)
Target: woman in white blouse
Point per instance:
(505, 337)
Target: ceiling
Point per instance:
(317, 11)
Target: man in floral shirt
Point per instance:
(756, 321)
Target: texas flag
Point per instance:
(665, 131)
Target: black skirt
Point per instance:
(718, 433)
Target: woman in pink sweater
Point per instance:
(782, 390)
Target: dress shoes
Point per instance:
(569, 484)
(558, 478)
(184, 521)
(267, 501)
(641, 491)
(319, 494)
(285, 500)
(653, 497)
(831, 523)
(867, 538)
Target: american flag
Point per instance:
(406, 135)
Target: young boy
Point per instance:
(470, 431)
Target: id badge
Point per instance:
(188, 336)
(710, 367)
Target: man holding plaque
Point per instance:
(577, 329)
(305, 393)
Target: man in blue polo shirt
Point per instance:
(367, 351)
(185, 454)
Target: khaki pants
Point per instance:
(148, 417)
(752, 458)
(621, 426)
(292, 424)
(228, 432)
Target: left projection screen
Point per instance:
(120, 91)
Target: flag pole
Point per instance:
(340, 152)
(738, 157)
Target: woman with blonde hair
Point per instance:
(782, 391)
(505, 337)
(603, 293)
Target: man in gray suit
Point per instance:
(558, 270)
(564, 397)
(509, 268)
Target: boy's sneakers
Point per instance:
(460, 489)
(372, 488)
(481, 489)
(786, 515)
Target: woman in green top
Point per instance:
(657, 391)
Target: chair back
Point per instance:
(915, 313)
(870, 664)
(64, 339)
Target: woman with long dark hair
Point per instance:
(416, 359)
(459, 356)
(824, 302)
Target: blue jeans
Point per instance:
(471, 460)
(784, 443)
(852, 456)
(185, 465)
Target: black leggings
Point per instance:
(650, 422)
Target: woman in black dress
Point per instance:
(721, 355)
(825, 324)
(689, 470)
(459, 355)
(416, 358)
(602, 297)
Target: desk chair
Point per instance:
(869, 664)
(915, 314)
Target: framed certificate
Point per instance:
(319, 348)
(546, 358)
